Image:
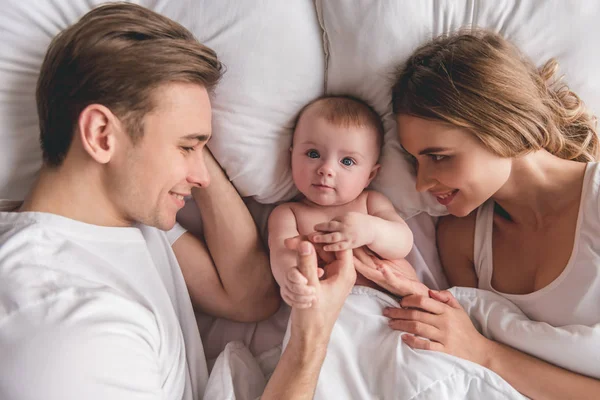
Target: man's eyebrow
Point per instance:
(196, 136)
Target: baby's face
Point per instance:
(332, 165)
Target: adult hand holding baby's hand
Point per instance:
(349, 231)
(396, 276)
(295, 290)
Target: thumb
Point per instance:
(307, 262)
(444, 297)
(345, 256)
(293, 242)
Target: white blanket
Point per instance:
(573, 347)
(367, 360)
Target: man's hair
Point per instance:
(347, 111)
(116, 55)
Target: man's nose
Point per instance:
(198, 174)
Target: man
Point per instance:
(93, 301)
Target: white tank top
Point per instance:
(573, 297)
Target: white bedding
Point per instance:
(367, 360)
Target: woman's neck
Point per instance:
(540, 187)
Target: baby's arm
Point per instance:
(381, 230)
(294, 286)
(392, 238)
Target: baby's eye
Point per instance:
(348, 162)
(312, 154)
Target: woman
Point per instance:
(511, 154)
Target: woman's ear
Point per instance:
(96, 130)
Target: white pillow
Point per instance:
(275, 64)
(367, 39)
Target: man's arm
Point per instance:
(229, 275)
(297, 373)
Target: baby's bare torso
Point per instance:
(309, 215)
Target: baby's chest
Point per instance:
(307, 218)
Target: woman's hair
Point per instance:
(116, 55)
(479, 81)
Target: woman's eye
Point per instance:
(348, 162)
(312, 154)
(188, 149)
(437, 157)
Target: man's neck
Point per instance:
(74, 193)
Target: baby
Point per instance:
(335, 149)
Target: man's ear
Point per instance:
(373, 173)
(97, 127)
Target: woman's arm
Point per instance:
(442, 320)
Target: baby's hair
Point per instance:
(479, 81)
(346, 111)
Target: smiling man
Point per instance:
(95, 296)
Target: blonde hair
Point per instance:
(479, 81)
(346, 111)
(116, 55)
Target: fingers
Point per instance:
(416, 328)
(293, 242)
(298, 284)
(404, 314)
(424, 303)
(422, 344)
(330, 226)
(296, 301)
(342, 267)
(307, 263)
(333, 237)
(444, 297)
(338, 246)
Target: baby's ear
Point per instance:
(373, 173)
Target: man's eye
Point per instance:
(348, 162)
(188, 149)
(312, 154)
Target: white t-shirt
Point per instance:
(574, 297)
(91, 312)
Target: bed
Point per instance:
(280, 55)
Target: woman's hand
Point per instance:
(396, 276)
(441, 319)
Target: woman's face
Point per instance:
(452, 164)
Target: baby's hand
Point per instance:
(295, 290)
(350, 231)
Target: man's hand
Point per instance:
(316, 322)
(349, 231)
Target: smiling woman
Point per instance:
(505, 146)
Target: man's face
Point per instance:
(149, 180)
